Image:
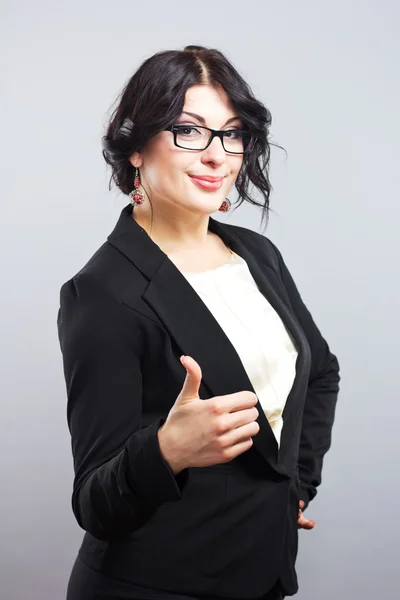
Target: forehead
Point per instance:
(209, 102)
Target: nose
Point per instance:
(215, 152)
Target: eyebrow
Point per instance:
(202, 120)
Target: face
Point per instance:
(166, 171)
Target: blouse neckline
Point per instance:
(234, 258)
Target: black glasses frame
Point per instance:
(214, 133)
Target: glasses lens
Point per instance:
(193, 138)
(237, 141)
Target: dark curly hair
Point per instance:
(154, 97)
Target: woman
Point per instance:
(201, 394)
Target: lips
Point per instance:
(207, 177)
(208, 183)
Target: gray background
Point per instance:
(328, 71)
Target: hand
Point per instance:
(302, 522)
(201, 433)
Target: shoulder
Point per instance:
(103, 298)
(91, 317)
(110, 274)
(102, 262)
(86, 287)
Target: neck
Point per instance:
(173, 232)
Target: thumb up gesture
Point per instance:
(199, 433)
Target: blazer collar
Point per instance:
(198, 334)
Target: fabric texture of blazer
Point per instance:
(229, 529)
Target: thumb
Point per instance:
(191, 385)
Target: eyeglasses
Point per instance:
(189, 137)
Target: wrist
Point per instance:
(167, 452)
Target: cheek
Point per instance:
(165, 167)
(168, 176)
(160, 162)
(157, 172)
(236, 165)
(239, 163)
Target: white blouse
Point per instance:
(255, 330)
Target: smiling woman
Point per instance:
(201, 394)
(200, 88)
(185, 154)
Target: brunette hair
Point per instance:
(154, 97)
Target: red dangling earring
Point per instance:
(136, 196)
(225, 206)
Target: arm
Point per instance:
(121, 475)
(320, 404)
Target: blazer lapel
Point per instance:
(198, 334)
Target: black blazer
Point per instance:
(229, 529)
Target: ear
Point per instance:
(136, 159)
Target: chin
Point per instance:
(204, 208)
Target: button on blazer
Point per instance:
(228, 529)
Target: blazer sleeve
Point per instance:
(321, 398)
(120, 474)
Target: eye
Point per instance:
(187, 130)
(233, 134)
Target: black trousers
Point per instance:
(87, 584)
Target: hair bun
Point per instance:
(194, 48)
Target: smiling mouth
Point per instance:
(207, 177)
(206, 184)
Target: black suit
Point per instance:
(228, 530)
